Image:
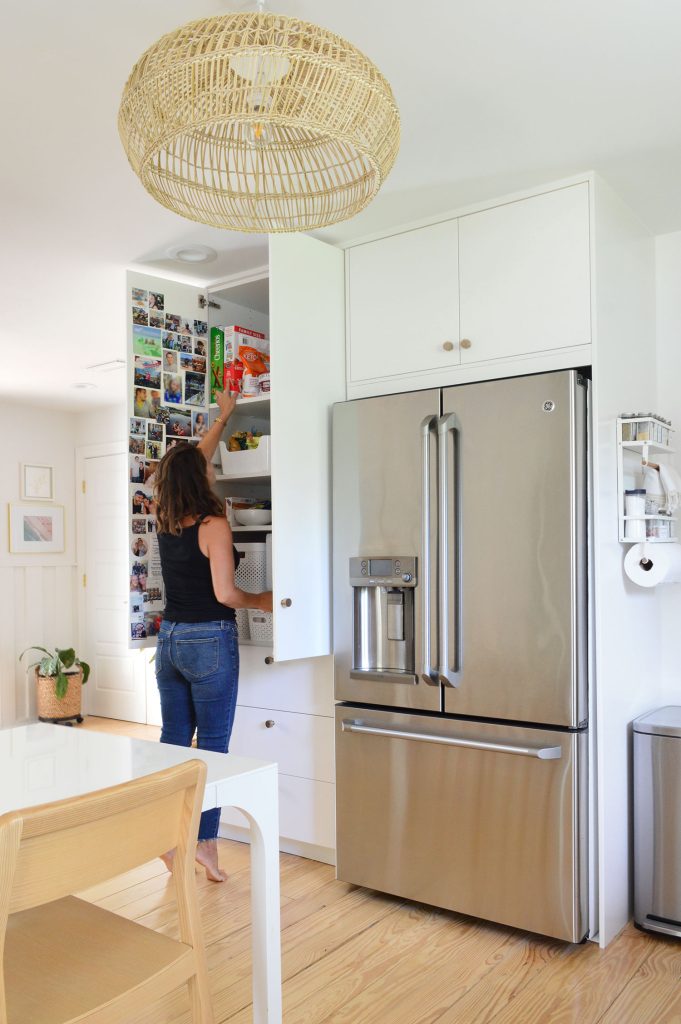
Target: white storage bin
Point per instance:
(252, 462)
(260, 627)
(250, 575)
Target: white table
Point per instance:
(40, 763)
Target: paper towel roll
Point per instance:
(650, 564)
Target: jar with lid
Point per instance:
(635, 510)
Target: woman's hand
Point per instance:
(226, 401)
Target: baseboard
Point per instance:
(307, 850)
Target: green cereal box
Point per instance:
(217, 361)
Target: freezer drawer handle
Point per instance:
(428, 427)
(543, 753)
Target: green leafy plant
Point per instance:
(56, 664)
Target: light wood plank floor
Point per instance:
(351, 956)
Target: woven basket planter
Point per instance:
(48, 704)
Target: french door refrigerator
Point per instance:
(460, 619)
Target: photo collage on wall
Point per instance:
(169, 406)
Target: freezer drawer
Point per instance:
(482, 819)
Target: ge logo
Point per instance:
(549, 406)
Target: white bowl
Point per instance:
(253, 516)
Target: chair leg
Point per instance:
(199, 996)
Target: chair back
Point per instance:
(58, 849)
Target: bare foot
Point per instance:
(207, 857)
(168, 859)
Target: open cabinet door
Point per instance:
(307, 331)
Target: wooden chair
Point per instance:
(66, 960)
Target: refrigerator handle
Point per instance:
(428, 430)
(543, 753)
(450, 663)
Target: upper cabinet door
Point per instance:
(307, 331)
(403, 303)
(524, 276)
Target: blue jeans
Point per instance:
(197, 672)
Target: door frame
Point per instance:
(84, 452)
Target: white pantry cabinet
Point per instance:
(524, 276)
(503, 283)
(403, 303)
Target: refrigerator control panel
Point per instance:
(383, 571)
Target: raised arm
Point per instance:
(215, 540)
(208, 444)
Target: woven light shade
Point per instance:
(258, 122)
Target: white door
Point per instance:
(525, 277)
(307, 330)
(404, 303)
(117, 686)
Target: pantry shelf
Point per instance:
(252, 529)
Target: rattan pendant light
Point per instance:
(259, 122)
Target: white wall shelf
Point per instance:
(632, 455)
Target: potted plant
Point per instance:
(59, 676)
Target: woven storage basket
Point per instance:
(49, 705)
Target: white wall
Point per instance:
(103, 425)
(38, 592)
(668, 264)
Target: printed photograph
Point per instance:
(192, 362)
(136, 445)
(146, 403)
(172, 442)
(149, 470)
(146, 341)
(156, 319)
(172, 388)
(185, 343)
(151, 525)
(200, 327)
(138, 426)
(195, 388)
(139, 547)
(179, 424)
(147, 372)
(199, 423)
(185, 326)
(137, 604)
(139, 298)
(199, 346)
(155, 301)
(173, 322)
(138, 525)
(142, 502)
(154, 431)
(38, 529)
(154, 450)
(137, 465)
(152, 623)
(169, 361)
(137, 631)
(154, 594)
(163, 415)
(172, 341)
(140, 317)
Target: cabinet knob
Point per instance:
(269, 660)
(448, 346)
(286, 602)
(269, 724)
(465, 343)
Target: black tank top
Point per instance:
(187, 579)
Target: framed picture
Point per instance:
(36, 529)
(37, 483)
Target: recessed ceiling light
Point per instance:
(192, 253)
(83, 385)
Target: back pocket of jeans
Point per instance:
(197, 659)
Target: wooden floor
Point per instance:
(356, 957)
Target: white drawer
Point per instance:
(306, 812)
(302, 745)
(301, 686)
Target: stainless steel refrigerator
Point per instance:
(460, 616)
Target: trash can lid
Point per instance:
(662, 722)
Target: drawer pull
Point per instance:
(269, 724)
(286, 602)
(448, 346)
(465, 343)
(543, 753)
(269, 660)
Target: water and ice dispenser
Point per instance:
(383, 616)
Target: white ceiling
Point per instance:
(494, 96)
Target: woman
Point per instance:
(197, 658)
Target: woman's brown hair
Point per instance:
(181, 489)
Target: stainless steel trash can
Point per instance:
(657, 821)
